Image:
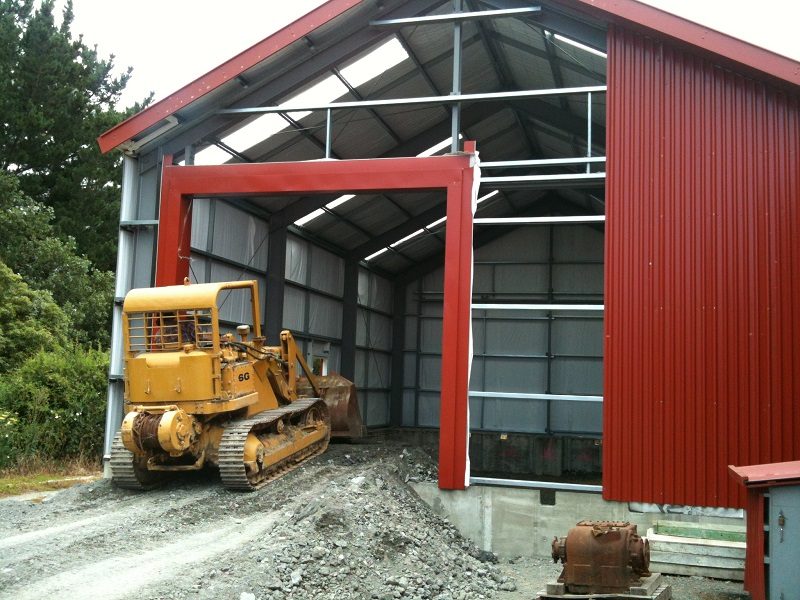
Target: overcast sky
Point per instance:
(171, 42)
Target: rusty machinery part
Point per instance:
(559, 546)
(128, 470)
(340, 395)
(601, 557)
(172, 431)
(260, 449)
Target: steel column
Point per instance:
(398, 366)
(328, 133)
(347, 367)
(174, 233)
(455, 116)
(276, 280)
(456, 332)
(127, 212)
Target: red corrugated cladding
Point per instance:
(702, 275)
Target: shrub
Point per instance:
(29, 320)
(54, 405)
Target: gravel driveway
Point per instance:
(345, 525)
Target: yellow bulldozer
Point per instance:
(196, 396)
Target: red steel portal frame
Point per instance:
(454, 174)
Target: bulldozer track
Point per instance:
(231, 451)
(123, 473)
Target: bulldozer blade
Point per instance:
(340, 396)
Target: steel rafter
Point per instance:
(506, 81)
(417, 101)
(296, 74)
(567, 64)
(357, 95)
(555, 20)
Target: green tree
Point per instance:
(30, 247)
(30, 321)
(56, 96)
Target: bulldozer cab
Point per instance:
(168, 319)
(173, 340)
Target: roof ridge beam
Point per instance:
(458, 16)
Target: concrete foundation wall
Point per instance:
(523, 522)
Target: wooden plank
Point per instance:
(737, 553)
(662, 593)
(648, 585)
(726, 533)
(702, 571)
(698, 560)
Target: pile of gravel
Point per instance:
(365, 535)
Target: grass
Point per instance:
(40, 476)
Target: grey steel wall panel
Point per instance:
(241, 236)
(475, 413)
(430, 335)
(433, 282)
(576, 417)
(147, 205)
(479, 335)
(198, 270)
(430, 368)
(382, 297)
(428, 404)
(515, 336)
(201, 208)
(409, 414)
(577, 376)
(380, 331)
(409, 370)
(324, 316)
(363, 287)
(578, 336)
(296, 259)
(410, 339)
(578, 279)
(476, 376)
(577, 243)
(327, 271)
(379, 370)
(482, 279)
(144, 258)
(361, 327)
(377, 407)
(361, 370)
(334, 359)
(528, 242)
(520, 351)
(294, 308)
(429, 309)
(515, 375)
(510, 414)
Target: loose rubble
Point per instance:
(345, 525)
(368, 536)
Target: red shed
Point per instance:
(701, 195)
